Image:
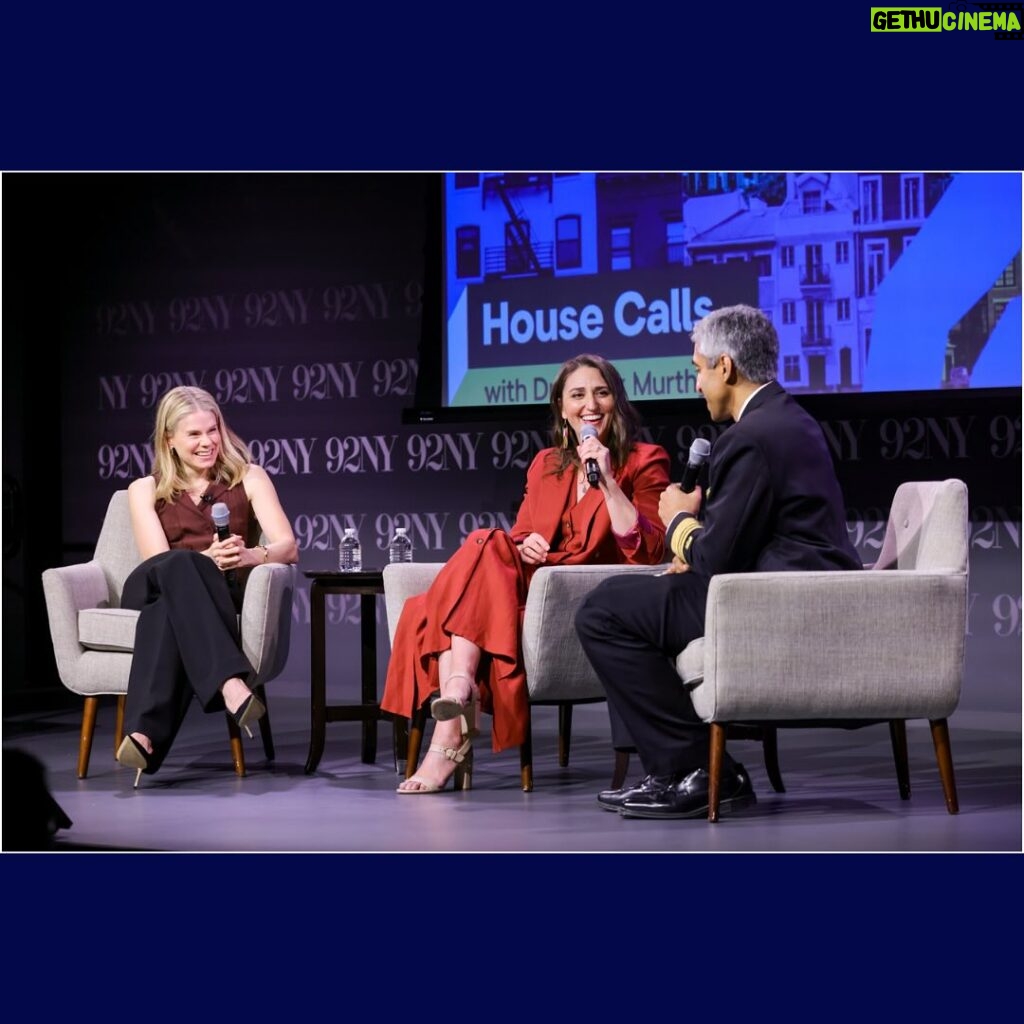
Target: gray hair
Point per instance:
(744, 334)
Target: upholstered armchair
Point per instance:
(93, 637)
(844, 648)
(557, 671)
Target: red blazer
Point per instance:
(588, 536)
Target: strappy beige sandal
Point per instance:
(463, 774)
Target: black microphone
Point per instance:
(699, 452)
(207, 499)
(593, 473)
(221, 515)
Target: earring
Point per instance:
(565, 433)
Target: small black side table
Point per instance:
(368, 584)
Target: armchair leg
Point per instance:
(265, 733)
(621, 769)
(400, 742)
(419, 720)
(564, 733)
(770, 743)
(526, 760)
(944, 755)
(119, 723)
(715, 768)
(898, 735)
(237, 753)
(85, 736)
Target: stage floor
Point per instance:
(841, 793)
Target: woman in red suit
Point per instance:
(462, 637)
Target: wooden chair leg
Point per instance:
(621, 769)
(944, 755)
(400, 742)
(564, 733)
(85, 736)
(526, 760)
(715, 768)
(237, 753)
(898, 736)
(119, 723)
(770, 744)
(419, 720)
(265, 732)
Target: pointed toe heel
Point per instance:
(249, 713)
(132, 754)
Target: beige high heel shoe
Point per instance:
(462, 776)
(251, 709)
(132, 754)
(444, 709)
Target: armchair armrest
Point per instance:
(267, 618)
(556, 667)
(403, 580)
(873, 644)
(68, 590)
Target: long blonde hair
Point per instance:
(233, 457)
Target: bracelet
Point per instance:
(266, 553)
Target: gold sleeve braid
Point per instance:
(682, 538)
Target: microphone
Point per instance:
(221, 515)
(699, 452)
(207, 499)
(593, 473)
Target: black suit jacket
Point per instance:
(773, 500)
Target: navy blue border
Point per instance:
(817, 935)
(654, 86)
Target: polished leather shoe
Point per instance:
(685, 795)
(613, 799)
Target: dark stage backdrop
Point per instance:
(298, 300)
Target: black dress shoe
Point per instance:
(613, 799)
(686, 796)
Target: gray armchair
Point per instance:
(93, 637)
(844, 648)
(557, 671)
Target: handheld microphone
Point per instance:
(699, 452)
(593, 473)
(221, 515)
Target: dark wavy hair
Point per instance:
(625, 427)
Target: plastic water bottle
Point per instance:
(400, 548)
(350, 555)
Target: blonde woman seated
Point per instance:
(462, 637)
(189, 587)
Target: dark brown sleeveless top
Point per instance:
(188, 525)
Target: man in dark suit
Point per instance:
(773, 503)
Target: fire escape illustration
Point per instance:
(521, 254)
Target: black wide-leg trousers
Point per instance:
(187, 644)
(631, 629)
